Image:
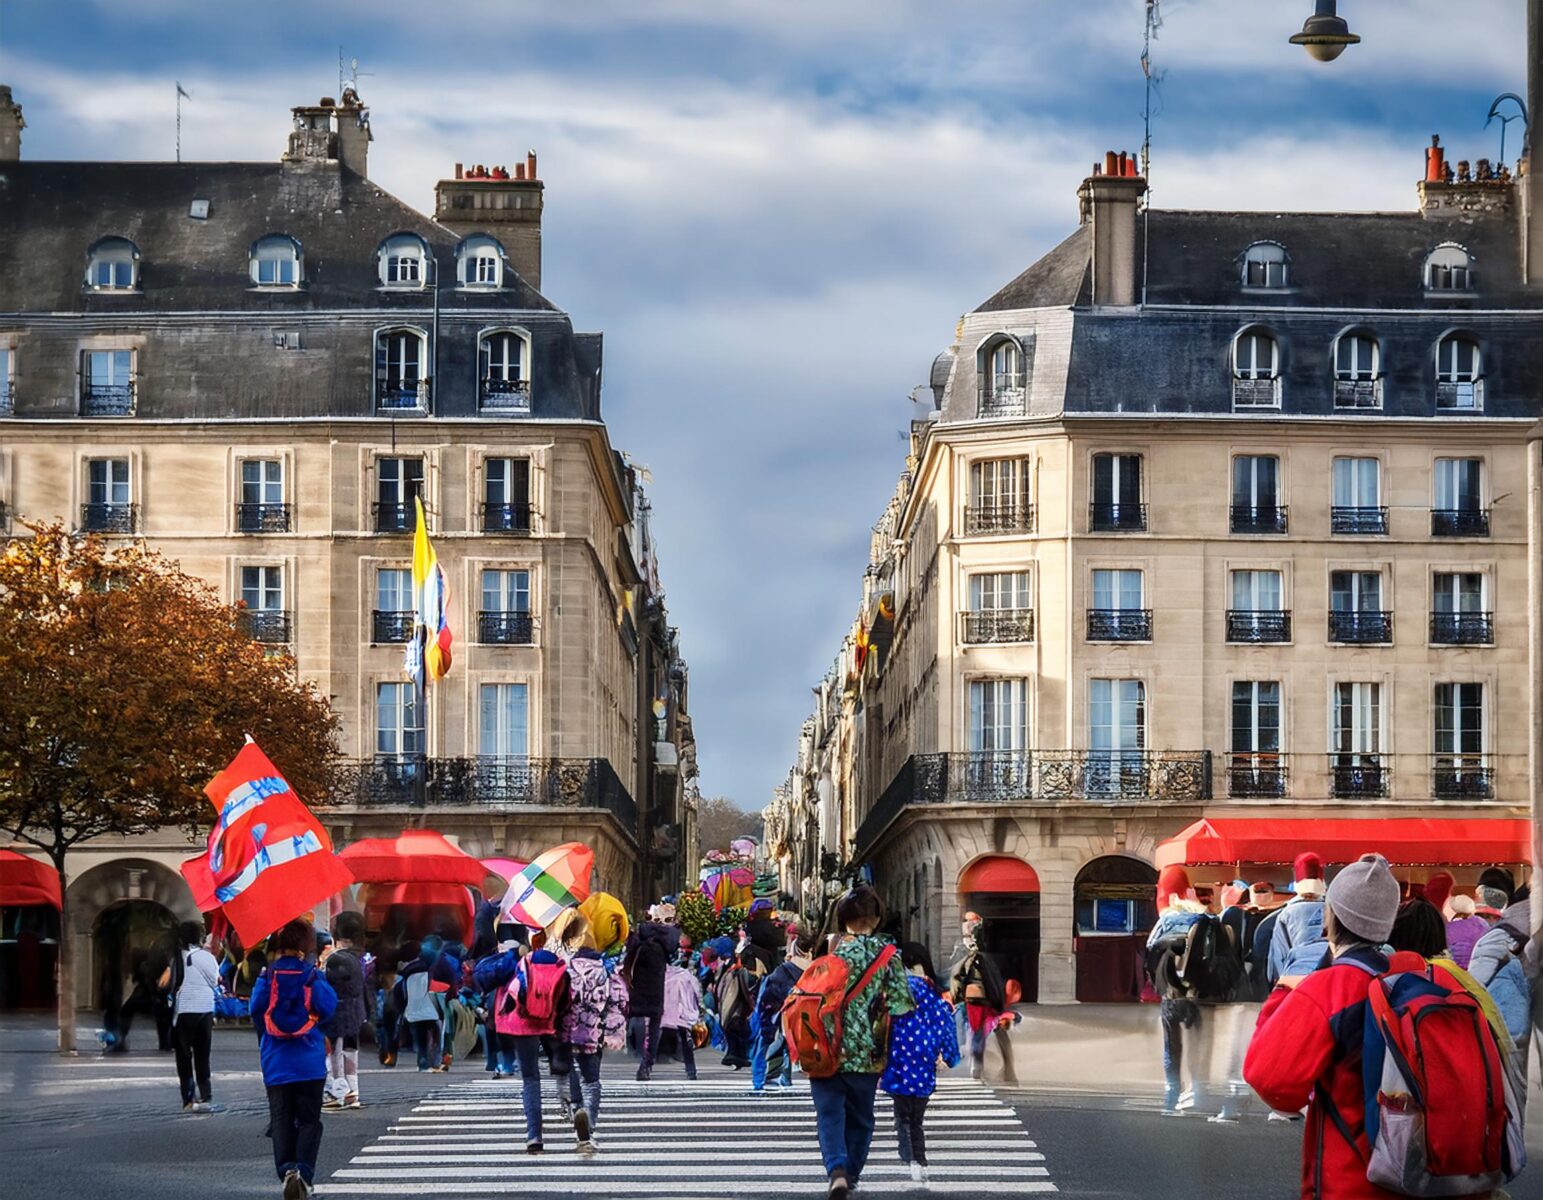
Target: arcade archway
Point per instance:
(1004, 890)
(1114, 907)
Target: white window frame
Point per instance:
(1254, 700)
(1354, 477)
(1249, 583)
(1357, 341)
(1450, 597)
(1457, 265)
(1457, 728)
(277, 251)
(1247, 355)
(404, 732)
(399, 591)
(989, 590)
(397, 478)
(121, 256)
(1112, 589)
(510, 592)
(480, 263)
(112, 483)
(494, 743)
(1255, 500)
(1361, 737)
(267, 488)
(1444, 481)
(265, 582)
(1467, 385)
(1357, 591)
(998, 715)
(404, 262)
(1276, 264)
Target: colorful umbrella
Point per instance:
(555, 879)
(25, 881)
(505, 868)
(414, 856)
(450, 898)
(608, 920)
(728, 887)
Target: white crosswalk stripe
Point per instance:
(673, 1138)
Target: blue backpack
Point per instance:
(289, 1012)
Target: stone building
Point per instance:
(258, 368)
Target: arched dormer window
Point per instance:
(479, 262)
(503, 365)
(1255, 369)
(1357, 370)
(1266, 265)
(112, 265)
(1001, 376)
(276, 261)
(1449, 268)
(404, 261)
(401, 369)
(1459, 373)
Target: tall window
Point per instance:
(262, 588)
(1356, 612)
(504, 378)
(262, 481)
(1459, 502)
(1458, 592)
(1460, 614)
(276, 262)
(999, 608)
(1255, 721)
(7, 380)
(479, 262)
(1459, 373)
(1114, 591)
(107, 382)
(1117, 613)
(999, 497)
(399, 481)
(506, 495)
(1117, 493)
(1356, 738)
(398, 723)
(1002, 380)
(1255, 370)
(1449, 268)
(504, 618)
(1256, 591)
(1266, 265)
(1357, 371)
(1258, 612)
(107, 508)
(1256, 506)
(1117, 736)
(1357, 496)
(395, 614)
(998, 715)
(1460, 769)
(401, 379)
(113, 265)
(503, 720)
(403, 261)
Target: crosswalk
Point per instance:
(673, 1138)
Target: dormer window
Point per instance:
(1459, 373)
(404, 261)
(1357, 371)
(276, 261)
(1266, 265)
(1000, 364)
(112, 265)
(479, 262)
(1255, 370)
(1449, 268)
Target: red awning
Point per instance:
(414, 856)
(25, 881)
(1403, 841)
(998, 873)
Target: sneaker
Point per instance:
(839, 1189)
(565, 1107)
(534, 1146)
(1187, 1099)
(918, 1173)
(691, 1076)
(581, 1127)
(201, 1106)
(644, 1074)
(1223, 1118)
(330, 1101)
(352, 1100)
(294, 1186)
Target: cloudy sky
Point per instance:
(777, 210)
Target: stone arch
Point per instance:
(1004, 890)
(1114, 903)
(116, 907)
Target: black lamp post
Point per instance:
(1325, 34)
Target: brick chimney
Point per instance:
(11, 125)
(1532, 229)
(332, 131)
(1110, 199)
(501, 201)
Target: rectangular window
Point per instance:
(1117, 715)
(1256, 481)
(107, 481)
(399, 480)
(506, 591)
(998, 715)
(6, 374)
(507, 481)
(1459, 592)
(1257, 591)
(1355, 591)
(1357, 482)
(1459, 718)
(994, 593)
(1357, 722)
(1117, 480)
(262, 481)
(485, 269)
(398, 723)
(394, 590)
(503, 726)
(1458, 484)
(1115, 591)
(1001, 484)
(1256, 717)
(262, 588)
(109, 368)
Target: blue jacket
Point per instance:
(1497, 964)
(916, 1039)
(1297, 946)
(297, 1059)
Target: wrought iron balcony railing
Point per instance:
(8, 398)
(1119, 624)
(107, 399)
(109, 518)
(1358, 520)
(393, 394)
(1462, 628)
(1462, 777)
(505, 518)
(1358, 393)
(488, 783)
(505, 628)
(998, 625)
(1258, 518)
(392, 625)
(395, 518)
(1361, 628)
(999, 518)
(262, 518)
(1459, 522)
(1257, 776)
(266, 624)
(1117, 518)
(1358, 776)
(1256, 393)
(1001, 395)
(1256, 627)
(505, 395)
(1460, 396)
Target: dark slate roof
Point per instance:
(51, 213)
(1059, 280)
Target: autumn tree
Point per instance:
(720, 821)
(125, 685)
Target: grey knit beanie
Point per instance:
(1364, 898)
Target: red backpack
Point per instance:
(533, 990)
(813, 1012)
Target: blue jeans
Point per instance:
(527, 1049)
(769, 1057)
(843, 1114)
(425, 1042)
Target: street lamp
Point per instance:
(1325, 34)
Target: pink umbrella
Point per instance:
(505, 868)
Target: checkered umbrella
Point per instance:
(555, 879)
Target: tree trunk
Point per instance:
(65, 972)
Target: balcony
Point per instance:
(1463, 397)
(1462, 777)
(505, 518)
(1462, 628)
(999, 518)
(1258, 627)
(1255, 393)
(1357, 393)
(1117, 518)
(1358, 776)
(109, 518)
(8, 399)
(392, 625)
(1257, 776)
(500, 784)
(262, 518)
(1258, 518)
(266, 625)
(1358, 520)
(1001, 396)
(995, 625)
(395, 518)
(504, 395)
(107, 399)
(402, 395)
(1370, 627)
(505, 628)
(1119, 624)
(1459, 522)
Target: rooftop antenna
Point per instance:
(1153, 86)
(1496, 115)
(351, 74)
(182, 94)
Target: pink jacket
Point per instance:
(541, 970)
(682, 999)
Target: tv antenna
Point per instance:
(1496, 115)
(349, 75)
(1154, 82)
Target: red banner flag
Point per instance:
(269, 858)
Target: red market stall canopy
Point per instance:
(1403, 841)
(374, 898)
(414, 856)
(25, 881)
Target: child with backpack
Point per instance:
(346, 972)
(916, 1041)
(836, 1021)
(528, 1011)
(595, 1021)
(736, 991)
(770, 1063)
(682, 1011)
(290, 1002)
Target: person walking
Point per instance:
(529, 1010)
(736, 991)
(1464, 929)
(645, 968)
(844, 1102)
(344, 966)
(1297, 944)
(595, 1020)
(770, 1063)
(290, 1003)
(420, 1004)
(1499, 964)
(976, 987)
(917, 1041)
(198, 983)
(1178, 912)
(682, 1011)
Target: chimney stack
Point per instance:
(332, 131)
(502, 202)
(1532, 229)
(11, 125)
(1110, 200)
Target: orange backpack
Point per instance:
(812, 1013)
